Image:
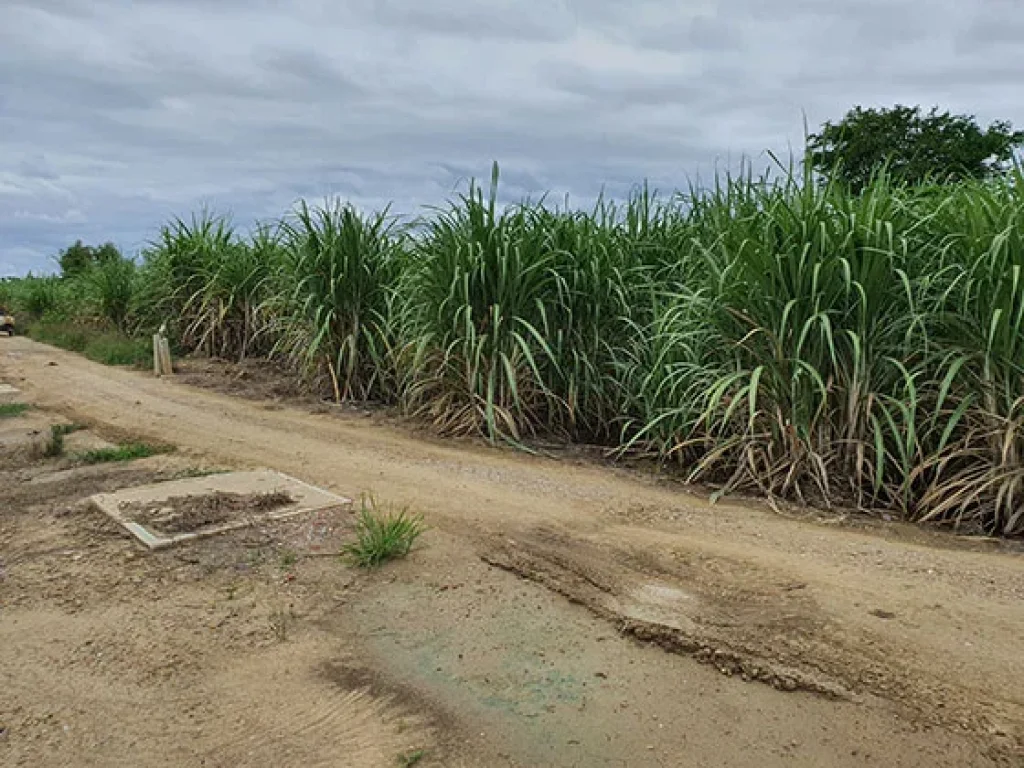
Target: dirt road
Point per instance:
(863, 646)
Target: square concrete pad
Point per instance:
(307, 498)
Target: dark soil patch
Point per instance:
(272, 383)
(185, 514)
(256, 379)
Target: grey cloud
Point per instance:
(66, 8)
(507, 19)
(308, 71)
(622, 90)
(49, 88)
(996, 23)
(712, 34)
(37, 167)
(113, 120)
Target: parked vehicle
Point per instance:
(6, 322)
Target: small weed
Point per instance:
(10, 410)
(382, 536)
(280, 622)
(256, 557)
(55, 445)
(409, 759)
(125, 452)
(288, 559)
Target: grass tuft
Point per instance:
(10, 410)
(288, 559)
(125, 452)
(382, 535)
(54, 446)
(409, 759)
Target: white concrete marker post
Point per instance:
(156, 355)
(161, 353)
(165, 355)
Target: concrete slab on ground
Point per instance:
(305, 498)
(8, 394)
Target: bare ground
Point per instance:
(880, 645)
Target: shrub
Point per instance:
(335, 283)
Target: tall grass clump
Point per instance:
(609, 266)
(974, 236)
(778, 335)
(230, 317)
(110, 285)
(335, 297)
(776, 373)
(39, 296)
(478, 300)
(512, 318)
(207, 283)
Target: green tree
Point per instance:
(106, 253)
(77, 258)
(914, 146)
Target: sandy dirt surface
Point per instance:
(530, 628)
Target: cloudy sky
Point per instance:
(115, 115)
